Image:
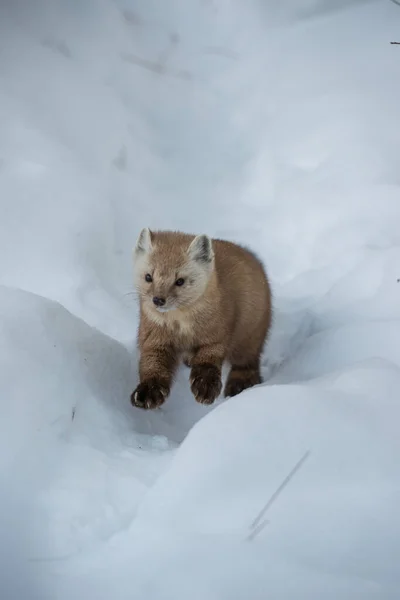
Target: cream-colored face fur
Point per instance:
(176, 273)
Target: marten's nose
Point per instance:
(158, 301)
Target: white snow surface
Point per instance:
(274, 124)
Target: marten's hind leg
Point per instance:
(244, 358)
(243, 375)
(187, 358)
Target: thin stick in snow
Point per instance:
(256, 527)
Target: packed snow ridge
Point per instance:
(273, 124)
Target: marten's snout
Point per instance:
(158, 301)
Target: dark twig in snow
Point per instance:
(156, 67)
(257, 525)
(257, 530)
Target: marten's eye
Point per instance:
(148, 278)
(179, 281)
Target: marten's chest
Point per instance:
(183, 330)
(179, 327)
(188, 330)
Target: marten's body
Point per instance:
(203, 301)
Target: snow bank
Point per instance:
(272, 124)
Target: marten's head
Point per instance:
(172, 268)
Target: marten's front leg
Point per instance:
(156, 368)
(205, 376)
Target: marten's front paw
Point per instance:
(205, 381)
(149, 394)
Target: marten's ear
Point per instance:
(144, 240)
(201, 249)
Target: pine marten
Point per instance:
(202, 301)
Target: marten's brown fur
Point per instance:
(203, 301)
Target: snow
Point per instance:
(271, 124)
